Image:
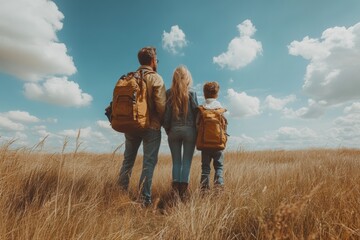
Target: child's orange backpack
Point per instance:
(212, 127)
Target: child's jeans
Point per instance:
(218, 163)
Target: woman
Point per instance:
(180, 126)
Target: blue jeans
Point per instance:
(182, 141)
(218, 162)
(151, 143)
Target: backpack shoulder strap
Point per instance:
(220, 110)
(201, 108)
(217, 110)
(147, 72)
(143, 73)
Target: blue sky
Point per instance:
(289, 71)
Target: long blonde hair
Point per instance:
(179, 91)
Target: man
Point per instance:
(150, 137)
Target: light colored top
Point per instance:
(211, 103)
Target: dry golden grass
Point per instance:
(308, 194)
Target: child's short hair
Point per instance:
(211, 89)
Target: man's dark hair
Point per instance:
(211, 89)
(146, 55)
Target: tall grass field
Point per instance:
(304, 194)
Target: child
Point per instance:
(214, 153)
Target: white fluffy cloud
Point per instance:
(278, 103)
(58, 91)
(19, 139)
(332, 75)
(175, 40)
(287, 137)
(353, 109)
(346, 129)
(236, 143)
(290, 133)
(242, 50)
(84, 132)
(43, 133)
(29, 48)
(12, 120)
(103, 124)
(20, 116)
(313, 110)
(89, 138)
(8, 125)
(242, 105)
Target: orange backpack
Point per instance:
(129, 108)
(212, 127)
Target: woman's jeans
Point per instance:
(151, 143)
(218, 162)
(182, 141)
